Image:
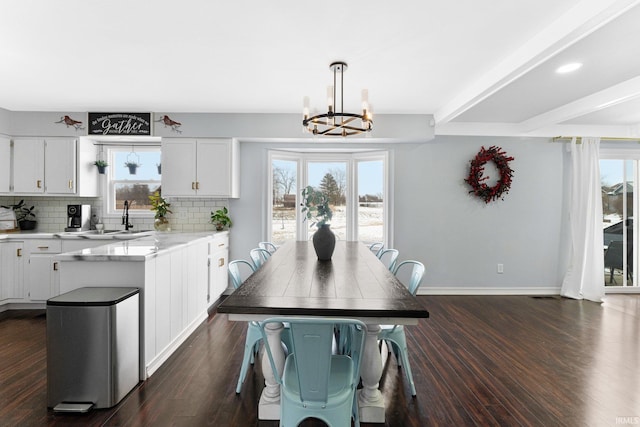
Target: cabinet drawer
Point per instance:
(48, 246)
(219, 242)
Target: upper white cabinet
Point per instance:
(28, 166)
(51, 166)
(44, 166)
(200, 167)
(5, 165)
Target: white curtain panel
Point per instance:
(585, 277)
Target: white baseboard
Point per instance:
(478, 290)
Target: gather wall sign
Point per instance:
(119, 123)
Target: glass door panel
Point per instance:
(331, 179)
(617, 178)
(371, 201)
(283, 200)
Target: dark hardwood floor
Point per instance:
(477, 361)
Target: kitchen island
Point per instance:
(179, 275)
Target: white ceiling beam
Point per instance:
(606, 98)
(578, 22)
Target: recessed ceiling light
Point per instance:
(568, 68)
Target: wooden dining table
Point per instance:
(353, 284)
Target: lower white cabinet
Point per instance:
(11, 271)
(41, 272)
(218, 267)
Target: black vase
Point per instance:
(324, 242)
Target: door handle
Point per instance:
(19, 252)
(39, 183)
(55, 266)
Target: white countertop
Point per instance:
(139, 249)
(77, 235)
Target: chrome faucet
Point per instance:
(125, 216)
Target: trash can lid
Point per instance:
(93, 296)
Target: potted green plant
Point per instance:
(102, 166)
(315, 207)
(161, 207)
(25, 216)
(133, 166)
(221, 219)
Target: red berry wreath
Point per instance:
(476, 169)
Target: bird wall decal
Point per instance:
(166, 120)
(77, 124)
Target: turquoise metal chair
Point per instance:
(389, 258)
(253, 335)
(376, 248)
(268, 246)
(239, 270)
(259, 256)
(394, 335)
(316, 383)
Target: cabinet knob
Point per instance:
(39, 183)
(43, 248)
(193, 185)
(220, 262)
(70, 183)
(19, 252)
(197, 185)
(55, 266)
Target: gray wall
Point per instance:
(459, 237)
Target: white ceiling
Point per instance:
(480, 67)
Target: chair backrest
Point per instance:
(613, 256)
(389, 258)
(415, 276)
(268, 246)
(376, 248)
(239, 270)
(259, 256)
(311, 341)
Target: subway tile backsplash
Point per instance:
(189, 214)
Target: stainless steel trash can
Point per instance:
(93, 347)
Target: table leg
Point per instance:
(269, 405)
(370, 400)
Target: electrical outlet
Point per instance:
(500, 268)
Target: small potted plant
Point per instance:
(102, 166)
(25, 216)
(133, 166)
(220, 219)
(315, 207)
(161, 207)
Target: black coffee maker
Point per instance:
(78, 218)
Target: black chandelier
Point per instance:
(336, 122)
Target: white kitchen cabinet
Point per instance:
(44, 166)
(41, 272)
(11, 271)
(218, 267)
(28, 166)
(5, 165)
(200, 167)
(60, 166)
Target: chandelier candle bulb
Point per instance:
(330, 98)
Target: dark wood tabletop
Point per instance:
(355, 283)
